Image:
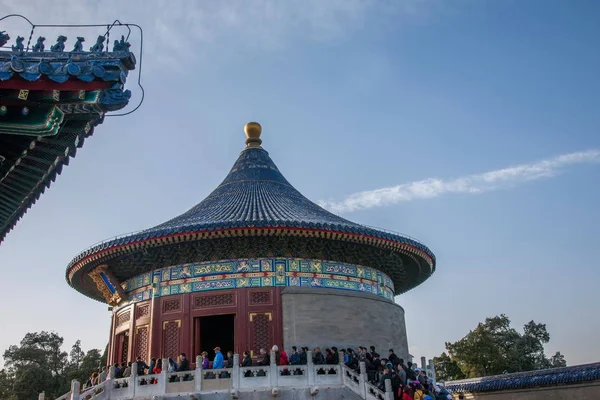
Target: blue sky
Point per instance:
(471, 125)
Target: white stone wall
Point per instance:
(329, 317)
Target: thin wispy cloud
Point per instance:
(470, 184)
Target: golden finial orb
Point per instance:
(253, 131)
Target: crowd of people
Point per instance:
(408, 381)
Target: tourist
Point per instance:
(303, 356)
(184, 364)
(352, 359)
(229, 362)
(205, 361)
(141, 366)
(283, 358)
(441, 392)
(117, 371)
(410, 373)
(336, 355)
(152, 365)
(103, 375)
(318, 357)
(402, 372)
(294, 357)
(157, 367)
(396, 385)
(419, 394)
(393, 357)
(218, 360)
(329, 357)
(387, 374)
(266, 358)
(92, 380)
(373, 353)
(407, 393)
(247, 361)
(127, 370)
(172, 367)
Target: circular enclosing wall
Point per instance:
(329, 317)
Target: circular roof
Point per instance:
(253, 196)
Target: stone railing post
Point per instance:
(342, 365)
(41, 396)
(163, 376)
(310, 366)
(273, 370)
(235, 374)
(75, 389)
(423, 365)
(432, 371)
(133, 378)
(363, 379)
(198, 375)
(389, 394)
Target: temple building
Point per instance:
(255, 264)
(51, 99)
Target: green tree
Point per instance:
(39, 354)
(76, 355)
(89, 363)
(6, 385)
(557, 360)
(38, 365)
(446, 369)
(494, 348)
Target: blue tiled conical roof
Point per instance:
(255, 198)
(256, 194)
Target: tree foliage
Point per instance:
(38, 364)
(494, 348)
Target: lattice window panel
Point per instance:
(171, 305)
(171, 339)
(143, 311)
(260, 333)
(141, 338)
(214, 301)
(260, 298)
(123, 318)
(125, 348)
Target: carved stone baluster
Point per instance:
(164, 376)
(389, 393)
(363, 379)
(235, 374)
(198, 374)
(311, 368)
(273, 370)
(75, 388)
(133, 379)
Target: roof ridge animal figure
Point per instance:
(60, 44)
(78, 47)
(121, 45)
(19, 45)
(4, 37)
(99, 46)
(39, 45)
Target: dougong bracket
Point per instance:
(107, 284)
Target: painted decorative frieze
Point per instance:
(258, 272)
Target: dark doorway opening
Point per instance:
(216, 330)
(122, 347)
